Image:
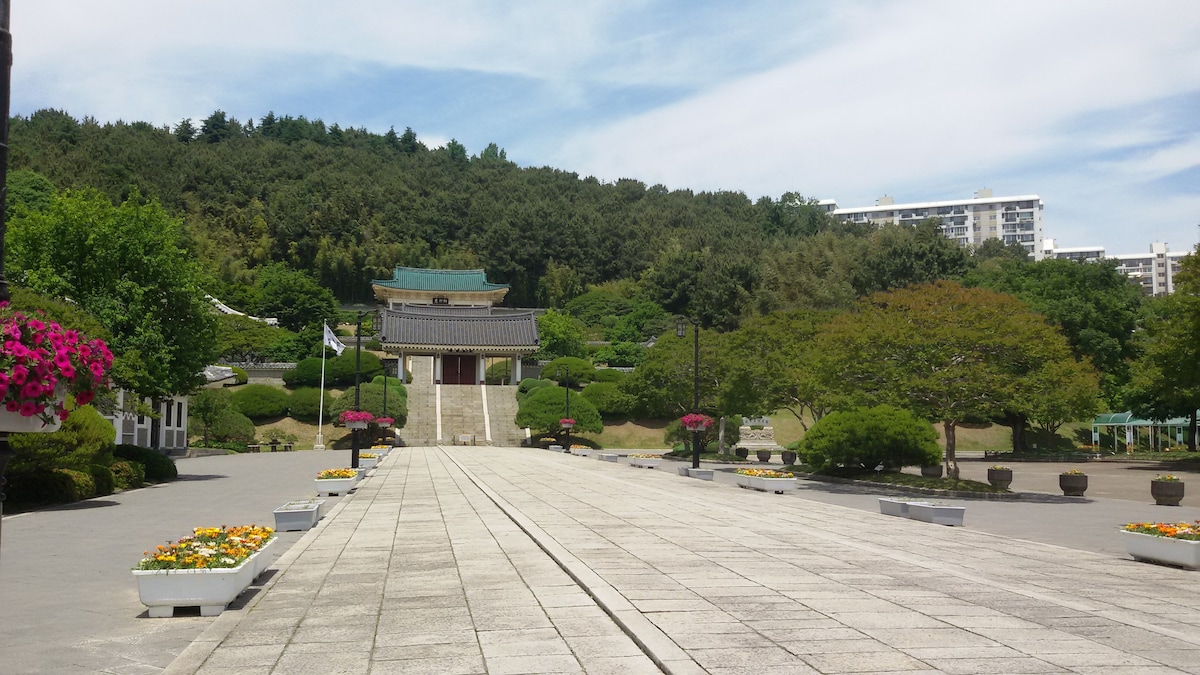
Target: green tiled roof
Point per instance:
(417, 279)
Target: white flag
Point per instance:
(332, 341)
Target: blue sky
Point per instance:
(1092, 104)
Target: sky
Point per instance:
(1094, 105)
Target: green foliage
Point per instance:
(609, 375)
(260, 401)
(159, 468)
(293, 297)
(28, 192)
(233, 427)
(608, 399)
(41, 486)
(85, 439)
(240, 376)
(643, 320)
(242, 339)
(371, 400)
(594, 306)
(560, 335)
(305, 404)
(578, 371)
(869, 437)
(124, 265)
(664, 385)
(207, 407)
(529, 384)
(620, 355)
(500, 372)
(900, 256)
(103, 479)
(543, 407)
(128, 474)
(339, 370)
(307, 373)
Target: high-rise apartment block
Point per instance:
(1155, 270)
(967, 221)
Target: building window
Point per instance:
(179, 413)
(170, 409)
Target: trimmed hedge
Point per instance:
(159, 467)
(305, 403)
(869, 437)
(128, 474)
(260, 401)
(103, 478)
(608, 399)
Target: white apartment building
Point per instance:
(1155, 270)
(967, 221)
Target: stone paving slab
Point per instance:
(474, 560)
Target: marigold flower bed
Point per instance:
(1188, 531)
(208, 548)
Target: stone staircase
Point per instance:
(461, 411)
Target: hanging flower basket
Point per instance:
(696, 422)
(40, 364)
(384, 422)
(566, 423)
(356, 419)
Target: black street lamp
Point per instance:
(6, 451)
(566, 370)
(354, 444)
(680, 332)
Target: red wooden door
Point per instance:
(459, 368)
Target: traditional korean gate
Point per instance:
(459, 368)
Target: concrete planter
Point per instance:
(1147, 547)
(608, 456)
(763, 456)
(776, 485)
(367, 462)
(895, 507)
(1073, 485)
(335, 486)
(1166, 492)
(298, 515)
(210, 589)
(1000, 478)
(937, 514)
(702, 474)
(644, 462)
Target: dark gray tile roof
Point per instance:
(425, 328)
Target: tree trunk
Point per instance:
(1192, 431)
(721, 437)
(1017, 422)
(951, 462)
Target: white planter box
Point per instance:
(895, 507)
(644, 462)
(555, 448)
(16, 423)
(702, 474)
(582, 452)
(937, 514)
(301, 514)
(608, 456)
(210, 589)
(776, 485)
(367, 462)
(1147, 547)
(742, 481)
(356, 425)
(335, 486)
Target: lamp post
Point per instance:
(681, 332)
(354, 445)
(6, 451)
(567, 386)
(383, 338)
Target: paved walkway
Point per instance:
(479, 560)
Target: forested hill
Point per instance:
(347, 205)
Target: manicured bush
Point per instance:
(371, 400)
(307, 373)
(240, 376)
(339, 370)
(103, 478)
(260, 401)
(500, 372)
(395, 387)
(37, 486)
(128, 474)
(232, 427)
(85, 439)
(542, 409)
(159, 467)
(304, 404)
(83, 486)
(608, 399)
(868, 437)
(581, 371)
(608, 375)
(620, 354)
(528, 384)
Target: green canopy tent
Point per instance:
(1157, 434)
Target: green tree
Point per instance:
(866, 438)
(899, 256)
(208, 407)
(943, 351)
(663, 385)
(560, 335)
(294, 298)
(542, 409)
(245, 340)
(123, 265)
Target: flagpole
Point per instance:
(320, 444)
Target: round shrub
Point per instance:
(305, 403)
(39, 486)
(500, 372)
(530, 383)
(159, 468)
(240, 376)
(868, 437)
(545, 406)
(83, 486)
(581, 370)
(260, 401)
(608, 375)
(103, 478)
(85, 439)
(608, 399)
(307, 373)
(128, 474)
(340, 369)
